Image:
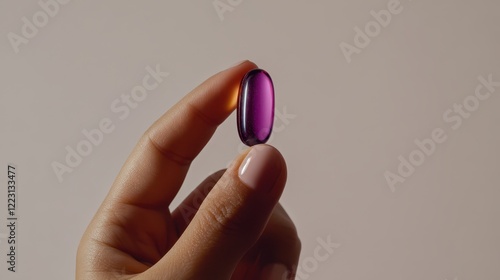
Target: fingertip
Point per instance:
(263, 169)
(222, 88)
(245, 62)
(235, 212)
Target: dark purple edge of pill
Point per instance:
(250, 142)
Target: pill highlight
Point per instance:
(255, 109)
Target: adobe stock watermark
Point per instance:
(30, 28)
(223, 6)
(121, 108)
(189, 210)
(324, 249)
(3, 236)
(454, 117)
(282, 119)
(322, 252)
(4, 239)
(363, 37)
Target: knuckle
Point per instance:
(225, 217)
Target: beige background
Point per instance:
(351, 123)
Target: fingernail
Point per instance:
(238, 63)
(275, 272)
(261, 168)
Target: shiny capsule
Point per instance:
(255, 110)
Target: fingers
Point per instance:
(274, 256)
(276, 253)
(155, 170)
(230, 220)
(278, 248)
(185, 212)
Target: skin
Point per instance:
(222, 230)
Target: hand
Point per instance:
(238, 232)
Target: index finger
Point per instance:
(155, 170)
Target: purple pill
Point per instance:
(255, 111)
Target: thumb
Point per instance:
(231, 218)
